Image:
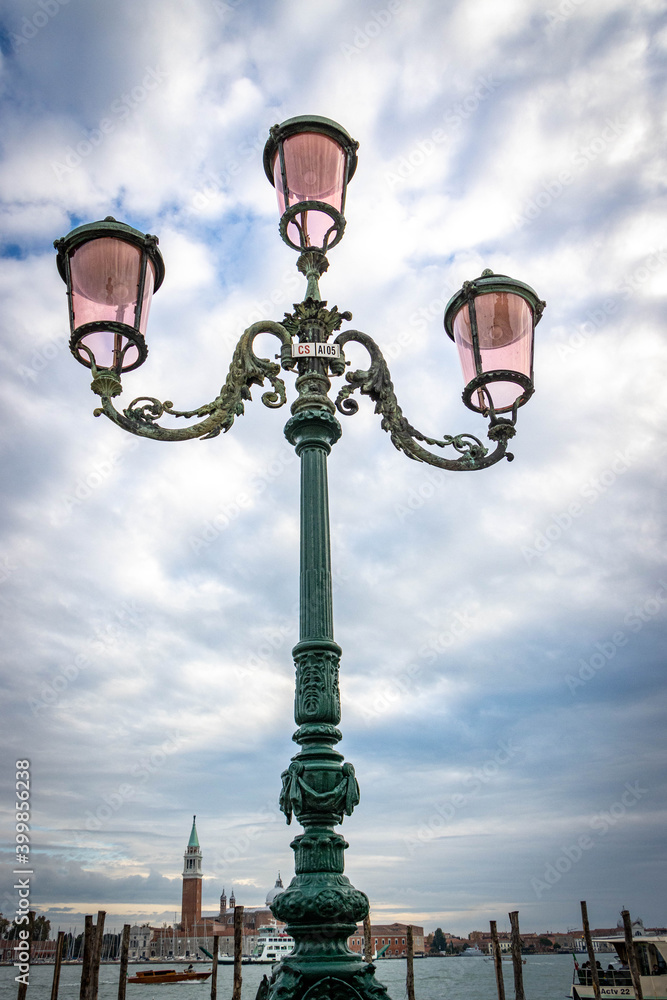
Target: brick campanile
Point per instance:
(192, 878)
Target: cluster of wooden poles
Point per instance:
(515, 945)
(94, 933)
(92, 954)
(633, 964)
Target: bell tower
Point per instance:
(192, 879)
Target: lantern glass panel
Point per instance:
(105, 277)
(315, 169)
(505, 332)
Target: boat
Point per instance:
(651, 951)
(272, 945)
(158, 976)
(474, 952)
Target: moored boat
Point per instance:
(272, 945)
(473, 951)
(155, 977)
(617, 982)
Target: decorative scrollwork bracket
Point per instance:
(246, 369)
(375, 382)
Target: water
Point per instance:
(545, 977)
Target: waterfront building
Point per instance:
(196, 930)
(388, 939)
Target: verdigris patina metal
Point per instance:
(319, 788)
(320, 906)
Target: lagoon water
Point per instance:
(545, 977)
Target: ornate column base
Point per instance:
(290, 982)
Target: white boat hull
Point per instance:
(653, 988)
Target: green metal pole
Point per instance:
(320, 906)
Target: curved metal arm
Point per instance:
(376, 383)
(246, 369)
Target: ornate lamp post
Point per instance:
(111, 271)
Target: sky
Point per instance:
(503, 631)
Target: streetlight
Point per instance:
(111, 271)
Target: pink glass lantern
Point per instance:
(310, 160)
(111, 272)
(492, 321)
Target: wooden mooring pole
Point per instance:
(88, 935)
(124, 955)
(515, 939)
(92, 953)
(595, 979)
(238, 951)
(214, 973)
(497, 960)
(56, 969)
(368, 943)
(410, 975)
(632, 954)
(96, 958)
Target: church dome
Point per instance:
(275, 892)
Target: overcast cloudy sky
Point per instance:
(503, 674)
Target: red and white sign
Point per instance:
(315, 350)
